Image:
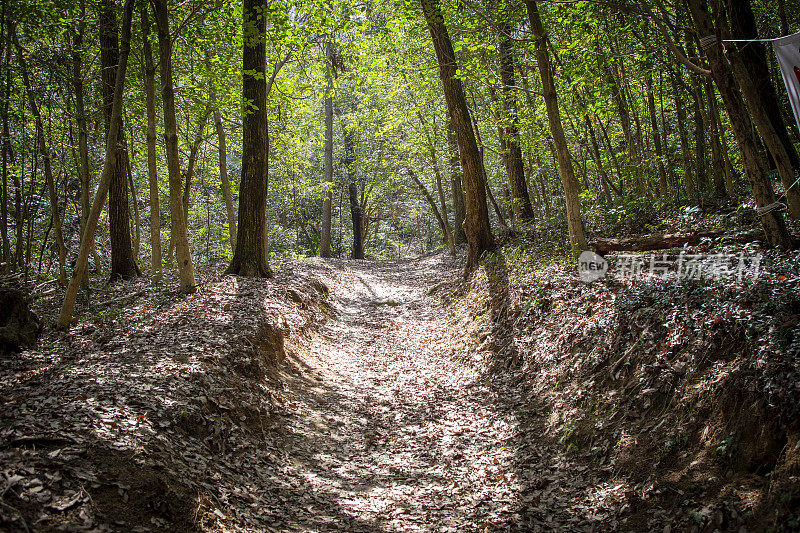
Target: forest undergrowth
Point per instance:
(686, 390)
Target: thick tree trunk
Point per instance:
(41, 141)
(520, 200)
(754, 59)
(123, 264)
(65, 315)
(775, 143)
(327, 203)
(459, 202)
(577, 234)
(476, 222)
(645, 243)
(754, 163)
(222, 151)
(178, 232)
(251, 255)
(152, 174)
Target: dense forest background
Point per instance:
(362, 158)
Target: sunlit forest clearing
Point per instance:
(400, 266)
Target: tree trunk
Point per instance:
(451, 243)
(251, 255)
(520, 200)
(701, 165)
(717, 160)
(575, 224)
(683, 136)
(604, 181)
(662, 171)
(83, 143)
(225, 184)
(645, 243)
(123, 264)
(775, 143)
(18, 178)
(753, 161)
(327, 211)
(476, 222)
(448, 234)
(194, 148)
(137, 230)
(352, 192)
(6, 150)
(754, 59)
(152, 174)
(45, 153)
(428, 198)
(178, 232)
(455, 184)
(65, 315)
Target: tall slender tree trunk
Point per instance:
(520, 200)
(701, 164)
(577, 234)
(135, 219)
(352, 193)
(476, 222)
(429, 199)
(83, 136)
(451, 243)
(754, 163)
(448, 234)
(152, 173)
(327, 203)
(179, 232)
(44, 150)
(251, 255)
(459, 202)
(662, 171)
(123, 264)
(18, 178)
(717, 159)
(65, 315)
(222, 151)
(683, 137)
(194, 149)
(6, 141)
(604, 181)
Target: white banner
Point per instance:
(788, 51)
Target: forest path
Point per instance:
(398, 436)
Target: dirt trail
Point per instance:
(398, 436)
(164, 417)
